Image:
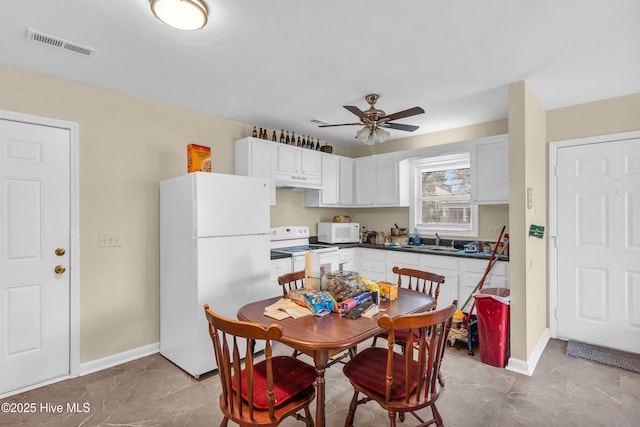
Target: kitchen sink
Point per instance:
(441, 248)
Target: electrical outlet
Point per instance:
(106, 240)
(494, 231)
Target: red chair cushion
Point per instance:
(290, 377)
(368, 369)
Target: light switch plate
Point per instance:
(106, 240)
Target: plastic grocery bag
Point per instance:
(499, 294)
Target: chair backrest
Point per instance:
(226, 335)
(291, 281)
(418, 280)
(433, 327)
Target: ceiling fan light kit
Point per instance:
(181, 14)
(374, 120)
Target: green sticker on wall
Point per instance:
(536, 231)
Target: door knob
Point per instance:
(60, 251)
(59, 269)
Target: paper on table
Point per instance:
(284, 308)
(371, 311)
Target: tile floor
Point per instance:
(151, 391)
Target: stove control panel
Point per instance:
(289, 232)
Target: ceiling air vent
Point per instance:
(37, 36)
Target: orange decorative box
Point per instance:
(388, 290)
(198, 158)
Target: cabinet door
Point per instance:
(279, 267)
(386, 174)
(471, 272)
(310, 162)
(346, 182)
(371, 263)
(257, 158)
(448, 267)
(364, 170)
(330, 179)
(490, 172)
(288, 159)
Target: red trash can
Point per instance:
(492, 306)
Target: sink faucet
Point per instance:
(437, 240)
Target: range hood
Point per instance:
(297, 183)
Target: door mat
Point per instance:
(604, 355)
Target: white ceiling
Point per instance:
(281, 63)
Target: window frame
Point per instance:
(441, 162)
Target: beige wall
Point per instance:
(530, 131)
(615, 115)
(528, 257)
(128, 145)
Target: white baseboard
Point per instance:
(117, 359)
(526, 367)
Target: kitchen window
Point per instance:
(441, 201)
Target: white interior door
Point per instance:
(598, 243)
(35, 238)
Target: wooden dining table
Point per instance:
(321, 337)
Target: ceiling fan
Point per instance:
(375, 120)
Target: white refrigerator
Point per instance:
(214, 249)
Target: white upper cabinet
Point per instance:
(345, 187)
(298, 167)
(381, 181)
(363, 181)
(256, 157)
(490, 171)
(337, 183)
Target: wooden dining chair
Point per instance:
(419, 281)
(291, 281)
(258, 393)
(403, 382)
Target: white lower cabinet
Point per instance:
(448, 267)
(279, 267)
(471, 272)
(401, 260)
(461, 274)
(345, 259)
(371, 263)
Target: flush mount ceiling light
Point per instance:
(181, 14)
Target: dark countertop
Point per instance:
(422, 250)
(410, 249)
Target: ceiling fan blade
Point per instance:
(400, 126)
(355, 110)
(402, 114)
(341, 124)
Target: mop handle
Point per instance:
(479, 286)
(486, 271)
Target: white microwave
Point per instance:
(338, 232)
